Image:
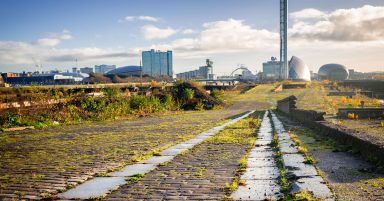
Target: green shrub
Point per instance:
(217, 94)
(188, 94)
(199, 106)
(167, 101)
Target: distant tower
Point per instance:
(283, 39)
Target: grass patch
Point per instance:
(135, 178)
(309, 160)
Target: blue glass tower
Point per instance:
(157, 63)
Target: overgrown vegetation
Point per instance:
(74, 106)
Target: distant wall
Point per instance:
(376, 86)
(363, 113)
(368, 146)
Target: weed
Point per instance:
(46, 195)
(302, 150)
(156, 153)
(135, 178)
(309, 160)
(304, 196)
(200, 171)
(38, 176)
(231, 186)
(102, 174)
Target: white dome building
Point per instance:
(298, 70)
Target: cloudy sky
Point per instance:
(230, 32)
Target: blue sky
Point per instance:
(99, 31)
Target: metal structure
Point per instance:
(239, 68)
(283, 39)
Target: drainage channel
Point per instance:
(100, 186)
(261, 175)
(305, 176)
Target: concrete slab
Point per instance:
(183, 146)
(172, 152)
(288, 148)
(134, 169)
(258, 190)
(292, 159)
(316, 185)
(261, 154)
(157, 160)
(194, 141)
(260, 173)
(94, 188)
(261, 162)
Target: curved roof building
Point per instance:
(333, 72)
(125, 71)
(298, 70)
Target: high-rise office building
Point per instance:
(283, 39)
(157, 63)
(104, 68)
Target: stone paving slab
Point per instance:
(287, 147)
(134, 169)
(194, 141)
(258, 190)
(305, 175)
(182, 146)
(172, 151)
(261, 173)
(314, 184)
(261, 154)
(93, 188)
(261, 162)
(157, 160)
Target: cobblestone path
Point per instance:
(203, 173)
(261, 175)
(304, 177)
(41, 163)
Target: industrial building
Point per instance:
(104, 68)
(204, 72)
(126, 71)
(333, 72)
(272, 69)
(298, 70)
(157, 63)
(87, 70)
(44, 79)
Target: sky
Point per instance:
(56, 33)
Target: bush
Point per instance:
(167, 101)
(188, 94)
(217, 94)
(199, 106)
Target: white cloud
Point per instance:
(20, 53)
(152, 32)
(188, 31)
(223, 36)
(53, 39)
(308, 13)
(357, 24)
(140, 18)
